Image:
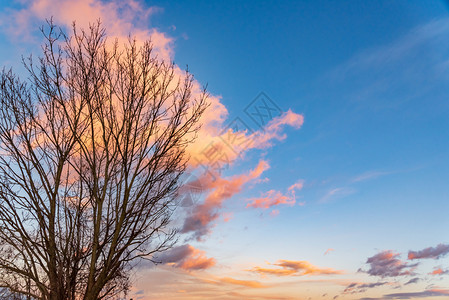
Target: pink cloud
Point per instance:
(328, 251)
(274, 212)
(213, 147)
(274, 198)
(199, 220)
(263, 139)
(119, 17)
(269, 199)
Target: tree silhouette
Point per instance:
(91, 152)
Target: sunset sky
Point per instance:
(333, 119)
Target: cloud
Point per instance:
(413, 280)
(413, 66)
(369, 175)
(387, 264)
(295, 268)
(201, 216)
(361, 287)
(278, 272)
(186, 257)
(269, 199)
(216, 146)
(423, 294)
(245, 283)
(274, 212)
(133, 17)
(439, 271)
(337, 193)
(274, 198)
(430, 252)
(263, 139)
(119, 17)
(328, 251)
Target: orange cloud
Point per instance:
(295, 268)
(278, 272)
(245, 283)
(439, 271)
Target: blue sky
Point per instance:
(370, 79)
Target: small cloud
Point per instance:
(430, 252)
(274, 213)
(337, 193)
(274, 198)
(187, 257)
(413, 280)
(297, 186)
(227, 216)
(270, 199)
(388, 264)
(362, 287)
(328, 251)
(369, 175)
(295, 268)
(439, 271)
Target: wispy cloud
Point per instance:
(274, 198)
(245, 283)
(370, 175)
(337, 193)
(356, 287)
(413, 280)
(410, 66)
(328, 251)
(423, 294)
(295, 268)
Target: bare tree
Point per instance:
(91, 152)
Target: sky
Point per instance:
(333, 118)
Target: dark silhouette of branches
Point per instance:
(91, 150)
